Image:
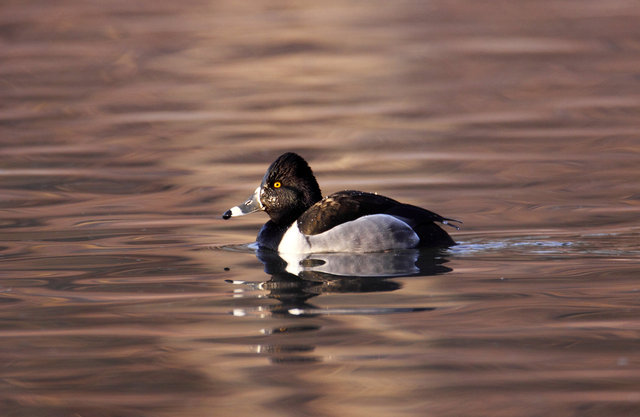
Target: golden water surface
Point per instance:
(128, 127)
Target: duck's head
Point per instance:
(287, 190)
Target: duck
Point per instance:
(302, 221)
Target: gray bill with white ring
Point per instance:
(252, 205)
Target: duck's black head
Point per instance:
(287, 190)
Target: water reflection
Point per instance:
(296, 278)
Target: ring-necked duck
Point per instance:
(347, 221)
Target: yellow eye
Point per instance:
(277, 184)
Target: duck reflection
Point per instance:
(297, 278)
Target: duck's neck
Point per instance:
(286, 219)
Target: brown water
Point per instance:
(127, 128)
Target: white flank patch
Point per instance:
(373, 233)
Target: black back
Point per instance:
(345, 206)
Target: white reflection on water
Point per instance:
(531, 246)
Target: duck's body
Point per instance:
(347, 221)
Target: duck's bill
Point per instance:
(250, 206)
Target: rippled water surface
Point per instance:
(127, 128)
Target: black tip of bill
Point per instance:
(227, 215)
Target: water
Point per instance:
(127, 129)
